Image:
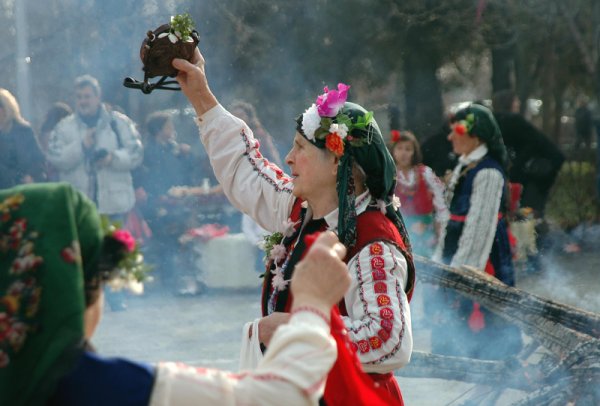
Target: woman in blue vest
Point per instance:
(476, 235)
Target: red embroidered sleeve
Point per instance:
(376, 303)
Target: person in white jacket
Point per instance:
(95, 149)
(342, 180)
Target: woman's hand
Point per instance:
(193, 82)
(267, 326)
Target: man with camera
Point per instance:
(95, 149)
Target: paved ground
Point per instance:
(206, 330)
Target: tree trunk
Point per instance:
(558, 112)
(503, 58)
(424, 107)
(547, 93)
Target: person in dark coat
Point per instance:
(21, 159)
(536, 160)
(437, 152)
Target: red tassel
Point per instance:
(476, 321)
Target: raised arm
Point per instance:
(252, 184)
(193, 82)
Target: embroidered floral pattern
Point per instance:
(72, 253)
(19, 303)
(323, 120)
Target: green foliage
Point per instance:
(183, 24)
(270, 241)
(131, 266)
(572, 199)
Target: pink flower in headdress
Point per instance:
(330, 102)
(126, 238)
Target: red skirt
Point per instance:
(389, 383)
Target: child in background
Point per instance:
(420, 191)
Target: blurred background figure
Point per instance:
(424, 210)
(535, 159)
(535, 164)
(95, 149)
(21, 158)
(420, 191)
(437, 151)
(55, 114)
(167, 164)
(476, 235)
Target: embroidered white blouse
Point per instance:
(378, 312)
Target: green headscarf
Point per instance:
(50, 236)
(364, 145)
(480, 122)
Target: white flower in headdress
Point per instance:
(277, 252)
(396, 202)
(340, 129)
(381, 205)
(278, 281)
(311, 121)
(288, 227)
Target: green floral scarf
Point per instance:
(50, 235)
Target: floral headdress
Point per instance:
(352, 134)
(464, 126)
(123, 265)
(395, 136)
(325, 121)
(478, 121)
(53, 254)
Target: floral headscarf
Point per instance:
(351, 133)
(478, 121)
(50, 243)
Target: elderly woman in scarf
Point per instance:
(342, 179)
(56, 255)
(476, 235)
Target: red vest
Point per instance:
(417, 199)
(346, 382)
(371, 226)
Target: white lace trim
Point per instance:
(408, 180)
(436, 187)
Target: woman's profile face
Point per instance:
(463, 144)
(403, 153)
(313, 170)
